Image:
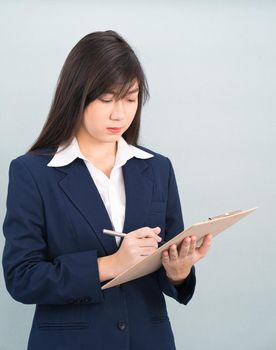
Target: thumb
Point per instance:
(204, 247)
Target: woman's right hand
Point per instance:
(136, 245)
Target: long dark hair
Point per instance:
(100, 62)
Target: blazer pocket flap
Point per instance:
(62, 316)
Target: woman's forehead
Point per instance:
(123, 89)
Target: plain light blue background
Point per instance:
(212, 77)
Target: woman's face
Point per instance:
(105, 119)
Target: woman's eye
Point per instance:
(133, 99)
(105, 100)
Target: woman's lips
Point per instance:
(114, 130)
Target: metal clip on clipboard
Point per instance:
(225, 214)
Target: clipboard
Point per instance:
(151, 263)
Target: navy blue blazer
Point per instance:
(53, 230)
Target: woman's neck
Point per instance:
(96, 150)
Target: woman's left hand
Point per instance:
(178, 263)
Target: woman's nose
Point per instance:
(118, 111)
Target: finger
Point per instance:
(184, 248)
(206, 243)
(156, 230)
(147, 232)
(192, 245)
(148, 242)
(145, 251)
(165, 257)
(173, 252)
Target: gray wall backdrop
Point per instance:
(211, 72)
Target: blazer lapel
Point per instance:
(82, 191)
(138, 189)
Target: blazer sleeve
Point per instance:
(31, 278)
(174, 225)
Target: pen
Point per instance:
(114, 233)
(120, 234)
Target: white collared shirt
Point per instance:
(111, 190)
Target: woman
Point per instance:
(84, 173)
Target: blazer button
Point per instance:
(121, 325)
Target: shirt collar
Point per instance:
(72, 151)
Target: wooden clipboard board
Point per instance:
(151, 263)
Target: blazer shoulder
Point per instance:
(33, 160)
(158, 160)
